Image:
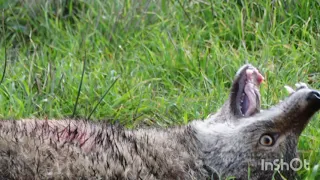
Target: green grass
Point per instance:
(174, 60)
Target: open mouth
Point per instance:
(247, 91)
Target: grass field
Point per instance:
(170, 61)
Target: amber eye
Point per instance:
(266, 140)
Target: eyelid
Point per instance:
(273, 135)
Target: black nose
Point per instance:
(314, 96)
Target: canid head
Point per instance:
(240, 140)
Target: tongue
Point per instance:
(254, 79)
(260, 78)
(253, 75)
(251, 100)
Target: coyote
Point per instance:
(230, 143)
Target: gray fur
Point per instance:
(225, 144)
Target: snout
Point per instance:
(313, 100)
(314, 96)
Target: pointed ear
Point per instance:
(244, 99)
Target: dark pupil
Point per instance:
(267, 140)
